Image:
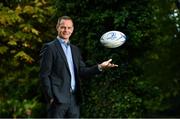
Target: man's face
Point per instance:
(65, 29)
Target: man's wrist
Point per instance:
(100, 67)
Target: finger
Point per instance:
(109, 60)
(116, 65)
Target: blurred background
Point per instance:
(147, 81)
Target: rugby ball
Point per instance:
(113, 39)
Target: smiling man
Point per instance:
(61, 65)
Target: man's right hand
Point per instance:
(51, 101)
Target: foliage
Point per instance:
(144, 85)
(22, 31)
(162, 62)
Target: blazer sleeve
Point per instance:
(46, 61)
(88, 71)
(85, 71)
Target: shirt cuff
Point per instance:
(100, 68)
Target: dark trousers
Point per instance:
(61, 110)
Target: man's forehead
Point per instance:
(63, 21)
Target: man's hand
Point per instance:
(107, 64)
(51, 101)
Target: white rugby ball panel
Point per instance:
(113, 45)
(113, 39)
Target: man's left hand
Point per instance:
(107, 64)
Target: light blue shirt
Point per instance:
(67, 51)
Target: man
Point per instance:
(61, 66)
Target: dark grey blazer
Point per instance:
(55, 74)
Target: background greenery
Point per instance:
(146, 84)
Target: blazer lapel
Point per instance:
(61, 52)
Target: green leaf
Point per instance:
(3, 49)
(12, 42)
(23, 56)
(33, 30)
(28, 9)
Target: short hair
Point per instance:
(61, 18)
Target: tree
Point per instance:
(161, 68)
(144, 85)
(23, 29)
